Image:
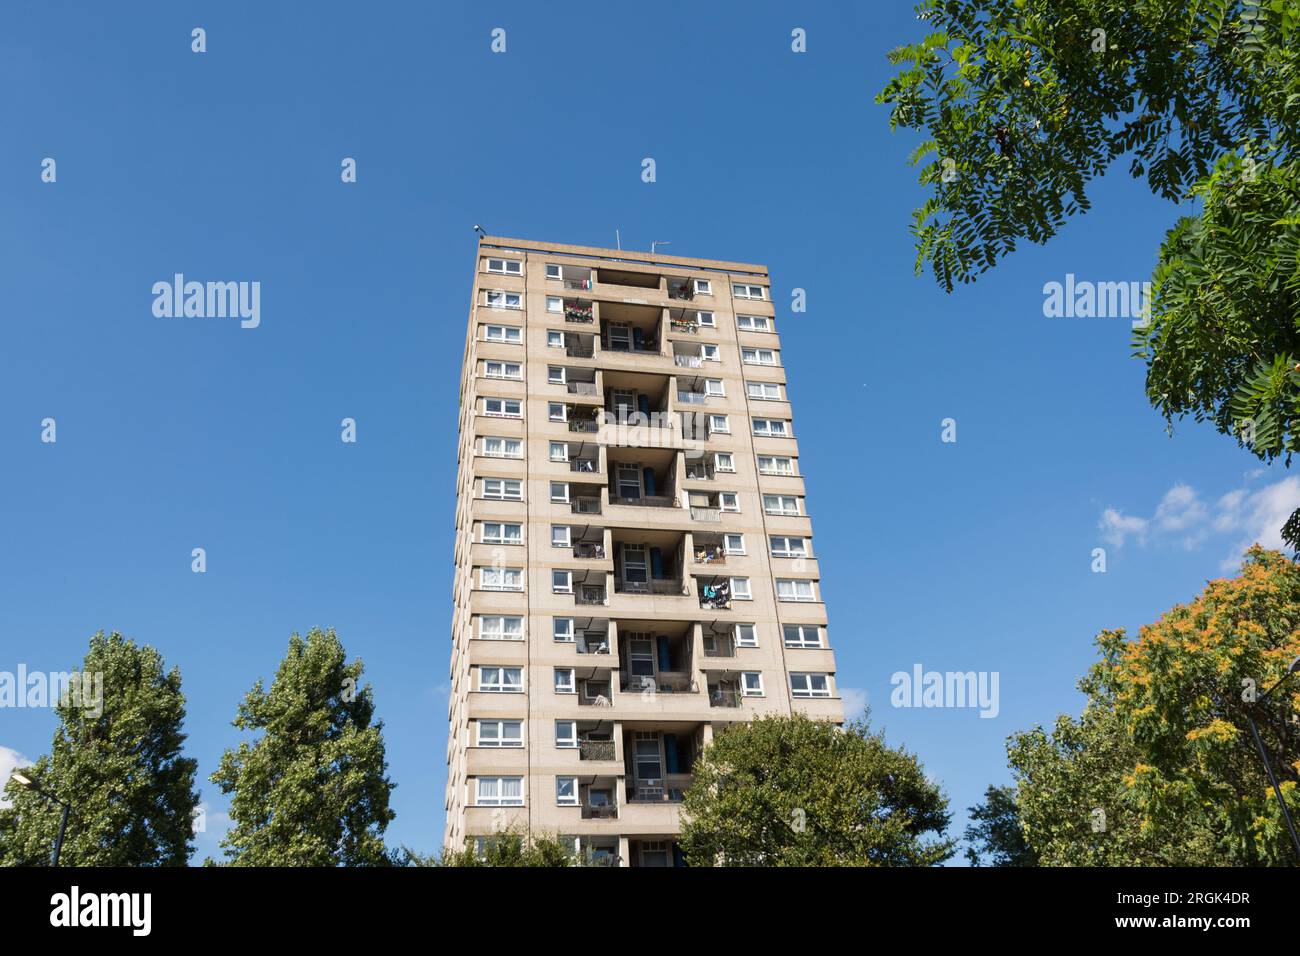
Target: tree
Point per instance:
(995, 834)
(116, 760)
(1023, 104)
(508, 849)
(1161, 768)
(791, 791)
(312, 790)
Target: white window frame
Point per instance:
(554, 270)
(557, 375)
(509, 334)
(505, 575)
(504, 404)
(743, 290)
(504, 484)
(561, 581)
(552, 335)
(802, 640)
(763, 391)
(561, 540)
(502, 535)
(563, 635)
(713, 387)
(563, 799)
(745, 638)
(776, 463)
(563, 496)
(498, 799)
(750, 323)
(755, 356)
(566, 735)
(500, 686)
(767, 427)
(780, 507)
(724, 497)
(752, 688)
(781, 546)
(741, 590)
(487, 452)
(703, 286)
(724, 428)
(518, 264)
(501, 741)
(504, 299)
(564, 681)
(710, 353)
(502, 634)
(808, 678)
(706, 320)
(727, 540)
(557, 412)
(795, 593)
(724, 461)
(562, 447)
(503, 369)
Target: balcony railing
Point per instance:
(593, 644)
(671, 586)
(579, 351)
(686, 291)
(719, 697)
(661, 684)
(595, 750)
(705, 514)
(710, 555)
(603, 812)
(590, 551)
(584, 465)
(645, 501)
(700, 472)
(720, 648)
(692, 398)
(585, 506)
(668, 790)
(583, 388)
(585, 425)
(577, 284)
(589, 596)
(688, 361)
(578, 314)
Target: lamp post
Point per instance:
(1263, 754)
(23, 780)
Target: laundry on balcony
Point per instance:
(715, 595)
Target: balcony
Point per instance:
(691, 398)
(584, 426)
(719, 645)
(589, 596)
(593, 642)
(688, 361)
(683, 289)
(724, 696)
(595, 749)
(715, 595)
(585, 389)
(670, 788)
(579, 351)
(661, 683)
(585, 506)
(646, 501)
(700, 470)
(589, 551)
(584, 465)
(710, 554)
(579, 313)
(705, 514)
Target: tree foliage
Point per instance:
(994, 836)
(116, 760)
(509, 849)
(791, 791)
(1161, 768)
(312, 790)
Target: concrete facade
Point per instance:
(639, 402)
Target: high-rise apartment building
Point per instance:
(635, 567)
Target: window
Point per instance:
(740, 589)
(748, 291)
(724, 461)
(553, 270)
(497, 299)
(561, 582)
(728, 501)
(564, 681)
(503, 489)
(559, 491)
(556, 375)
(566, 734)
(713, 386)
(705, 319)
(709, 353)
(557, 411)
(501, 579)
(790, 589)
(503, 370)
(771, 428)
(554, 303)
(810, 685)
(503, 448)
(751, 684)
(501, 680)
(733, 543)
(746, 635)
(503, 333)
(784, 547)
(775, 465)
(502, 407)
(499, 791)
(498, 627)
(554, 339)
(559, 451)
(500, 733)
(560, 536)
(562, 629)
(703, 287)
(763, 391)
(510, 267)
(802, 635)
(781, 504)
(754, 323)
(566, 791)
(497, 532)
(758, 356)
(719, 424)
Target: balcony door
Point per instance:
(629, 481)
(636, 571)
(620, 337)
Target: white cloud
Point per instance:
(855, 701)
(10, 760)
(1183, 518)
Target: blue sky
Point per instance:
(183, 433)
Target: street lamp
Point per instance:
(1263, 754)
(25, 781)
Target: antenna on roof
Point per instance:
(479, 230)
(618, 240)
(659, 242)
